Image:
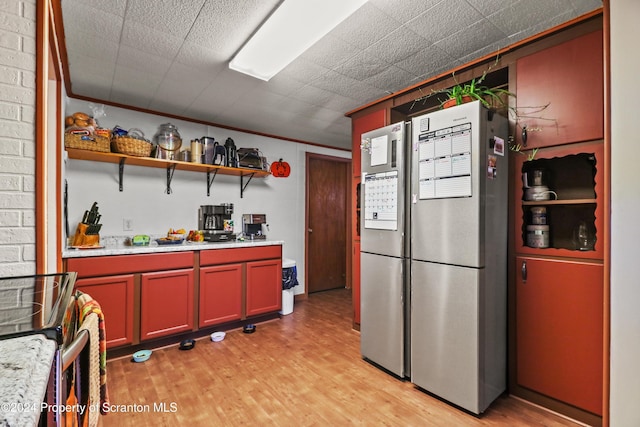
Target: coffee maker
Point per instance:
(216, 223)
(252, 226)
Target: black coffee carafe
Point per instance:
(231, 158)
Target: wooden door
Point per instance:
(327, 201)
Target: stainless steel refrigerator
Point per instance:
(433, 260)
(384, 295)
(459, 223)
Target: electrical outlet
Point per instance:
(127, 224)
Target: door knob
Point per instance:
(310, 230)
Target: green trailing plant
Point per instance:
(489, 97)
(494, 99)
(517, 148)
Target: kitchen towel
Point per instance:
(87, 305)
(90, 324)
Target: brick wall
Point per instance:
(17, 136)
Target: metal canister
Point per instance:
(538, 215)
(196, 151)
(538, 236)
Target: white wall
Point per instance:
(153, 211)
(625, 218)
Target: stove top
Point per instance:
(35, 304)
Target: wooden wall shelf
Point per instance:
(169, 165)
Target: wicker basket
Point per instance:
(86, 142)
(131, 146)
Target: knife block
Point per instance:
(83, 239)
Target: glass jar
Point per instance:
(168, 138)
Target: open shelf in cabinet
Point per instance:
(169, 165)
(574, 175)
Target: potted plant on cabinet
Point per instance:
(474, 90)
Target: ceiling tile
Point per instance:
(489, 7)
(365, 27)
(342, 85)
(150, 40)
(81, 19)
(362, 66)
(142, 61)
(471, 39)
(91, 46)
(225, 25)
(330, 51)
(391, 79)
(173, 17)
(444, 19)
(304, 70)
(398, 45)
(114, 7)
(200, 58)
(404, 11)
(429, 61)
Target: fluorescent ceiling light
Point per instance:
(293, 28)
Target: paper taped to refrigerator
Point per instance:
(444, 162)
(379, 150)
(381, 200)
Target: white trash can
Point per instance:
(288, 269)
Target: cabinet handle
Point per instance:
(523, 271)
(524, 135)
(310, 230)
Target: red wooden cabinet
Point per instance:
(570, 78)
(359, 125)
(115, 296)
(220, 294)
(559, 330)
(264, 287)
(166, 303)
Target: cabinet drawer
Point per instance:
(122, 264)
(226, 256)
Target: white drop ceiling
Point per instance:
(172, 56)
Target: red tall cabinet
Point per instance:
(557, 287)
(359, 125)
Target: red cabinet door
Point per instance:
(264, 287)
(559, 330)
(166, 303)
(570, 78)
(115, 296)
(220, 294)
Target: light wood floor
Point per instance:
(304, 369)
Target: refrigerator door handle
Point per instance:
(523, 271)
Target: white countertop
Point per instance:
(121, 249)
(25, 365)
